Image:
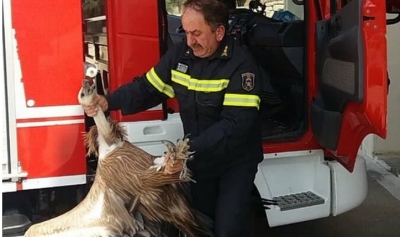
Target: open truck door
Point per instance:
(351, 100)
(129, 41)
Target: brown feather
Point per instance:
(127, 196)
(82, 217)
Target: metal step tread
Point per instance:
(15, 224)
(298, 200)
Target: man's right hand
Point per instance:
(91, 110)
(172, 167)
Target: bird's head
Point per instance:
(87, 92)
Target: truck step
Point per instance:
(15, 224)
(298, 200)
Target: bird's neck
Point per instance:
(102, 124)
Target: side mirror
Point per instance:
(393, 7)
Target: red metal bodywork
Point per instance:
(359, 119)
(52, 151)
(49, 37)
(51, 54)
(133, 44)
(368, 117)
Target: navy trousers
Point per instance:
(226, 199)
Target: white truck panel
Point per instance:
(295, 176)
(149, 135)
(291, 173)
(10, 66)
(349, 190)
(4, 137)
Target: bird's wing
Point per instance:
(127, 170)
(151, 228)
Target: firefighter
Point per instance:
(217, 85)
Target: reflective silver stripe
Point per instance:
(153, 78)
(242, 100)
(199, 85)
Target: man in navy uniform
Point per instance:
(217, 85)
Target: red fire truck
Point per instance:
(327, 66)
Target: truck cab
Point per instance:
(326, 89)
(325, 81)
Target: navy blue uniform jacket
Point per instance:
(218, 100)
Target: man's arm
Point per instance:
(146, 91)
(239, 114)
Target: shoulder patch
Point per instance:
(182, 67)
(248, 81)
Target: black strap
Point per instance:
(319, 11)
(333, 7)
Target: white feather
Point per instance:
(97, 210)
(158, 162)
(104, 148)
(95, 231)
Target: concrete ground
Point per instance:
(378, 216)
(391, 163)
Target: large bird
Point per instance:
(131, 194)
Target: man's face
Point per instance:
(200, 36)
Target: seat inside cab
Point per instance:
(278, 48)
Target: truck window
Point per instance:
(174, 7)
(271, 7)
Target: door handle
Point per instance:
(153, 130)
